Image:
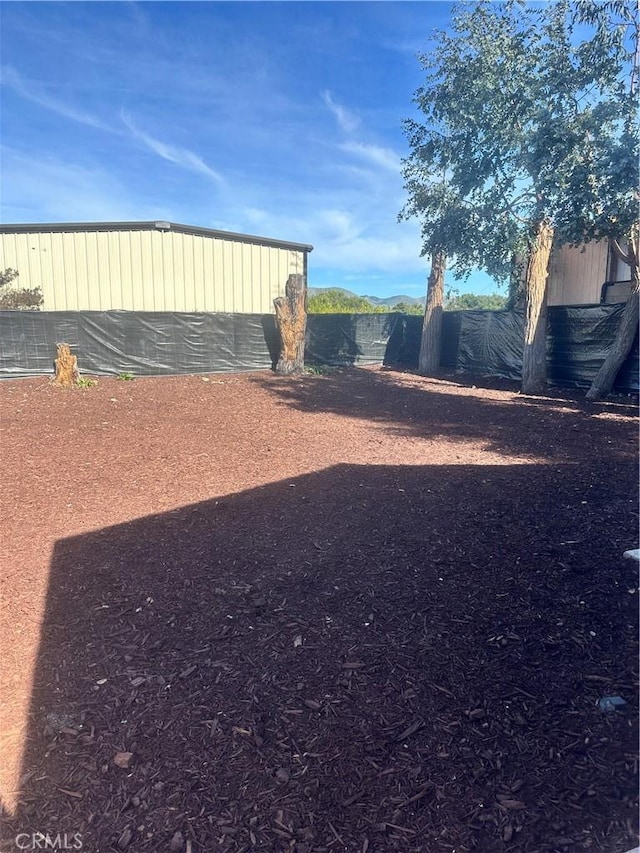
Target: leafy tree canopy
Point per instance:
(12, 297)
(336, 301)
(606, 195)
(407, 308)
(529, 117)
(475, 302)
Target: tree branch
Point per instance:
(620, 254)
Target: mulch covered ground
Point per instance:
(362, 611)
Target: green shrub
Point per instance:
(18, 298)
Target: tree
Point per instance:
(433, 198)
(15, 298)
(610, 208)
(511, 96)
(407, 308)
(431, 338)
(336, 301)
(628, 326)
(476, 302)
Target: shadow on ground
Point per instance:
(368, 657)
(409, 405)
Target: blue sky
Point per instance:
(276, 119)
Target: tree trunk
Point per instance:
(67, 372)
(515, 299)
(625, 336)
(534, 357)
(291, 319)
(431, 341)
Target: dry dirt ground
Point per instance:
(362, 611)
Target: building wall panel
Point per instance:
(126, 290)
(242, 262)
(101, 291)
(577, 273)
(64, 288)
(149, 270)
(213, 271)
(83, 289)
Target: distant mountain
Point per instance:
(314, 291)
(389, 301)
(460, 302)
(393, 300)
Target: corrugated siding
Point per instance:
(149, 270)
(577, 274)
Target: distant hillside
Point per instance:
(389, 301)
(315, 291)
(393, 300)
(339, 300)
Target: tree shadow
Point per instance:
(339, 655)
(270, 332)
(489, 344)
(343, 339)
(339, 340)
(412, 406)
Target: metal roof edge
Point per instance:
(156, 225)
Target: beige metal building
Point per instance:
(149, 266)
(587, 275)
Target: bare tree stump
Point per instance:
(67, 373)
(291, 319)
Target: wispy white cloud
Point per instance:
(201, 115)
(387, 249)
(35, 93)
(374, 154)
(344, 238)
(174, 154)
(347, 120)
(41, 188)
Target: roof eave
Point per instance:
(157, 225)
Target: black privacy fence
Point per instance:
(487, 343)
